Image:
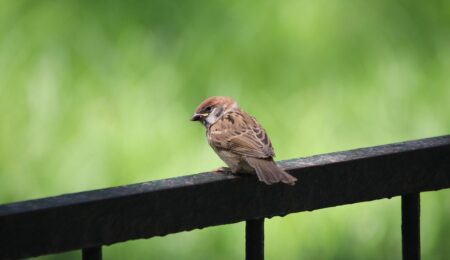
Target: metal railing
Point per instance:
(88, 220)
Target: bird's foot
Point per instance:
(224, 170)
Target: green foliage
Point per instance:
(98, 93)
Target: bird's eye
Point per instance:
(208, 109)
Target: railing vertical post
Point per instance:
(92, 253)
(254, 239)
(411, 226)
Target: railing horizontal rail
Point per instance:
(157, 208)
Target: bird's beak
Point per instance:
(198, 117)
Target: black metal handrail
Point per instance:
(88, 220)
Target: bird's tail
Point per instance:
(268, 171)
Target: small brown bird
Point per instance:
(239, 140)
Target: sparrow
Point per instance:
(239, 140)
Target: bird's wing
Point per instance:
(241, 134)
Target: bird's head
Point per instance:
(210, 110)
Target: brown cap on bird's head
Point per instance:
(210, 103)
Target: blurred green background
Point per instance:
(99, 93)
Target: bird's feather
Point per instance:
(242, 134)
